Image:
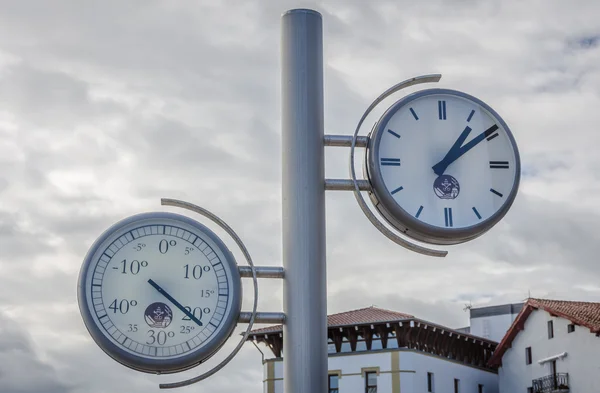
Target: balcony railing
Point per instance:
(552, 383)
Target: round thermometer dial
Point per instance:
(159, 292)
(444, 167)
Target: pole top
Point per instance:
(302, 11)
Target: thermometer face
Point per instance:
(159, 292)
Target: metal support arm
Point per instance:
(345, 141)
(346, 185)
(262, 271)
(262, 317)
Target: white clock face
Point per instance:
(447, 164)
(160, 290)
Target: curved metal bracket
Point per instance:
(252, 316)
(357, 189)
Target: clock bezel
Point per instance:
(178, 363)
(404, 221)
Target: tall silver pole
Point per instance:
(305, 285)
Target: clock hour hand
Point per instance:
(456, 151)
(175, 302)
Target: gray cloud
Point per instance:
(22, 369)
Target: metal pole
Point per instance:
(305, 284)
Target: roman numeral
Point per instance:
(419, 211)
(470, 115)
(448, 216)
(491, 133)
(390, 161)
(414, 114)
(499, 164)
(396, 190)
(394, 134)
(495, 192)
(442, 110)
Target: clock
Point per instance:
(159, 292)
(444, 167)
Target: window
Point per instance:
(480, 388)
(528, 355)
(456, 385)
(571, 328)
(371, 382)
(550, 329)
(333, 383)
(430, 382)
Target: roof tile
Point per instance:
(353, 317)
(585, 314)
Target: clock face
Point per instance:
(443, 165)
(159, 292)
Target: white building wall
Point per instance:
(582, 360)
(492, 327)
(352, 379)
(406, 373)
(444, 373)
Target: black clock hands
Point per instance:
(457, 150)
(452, 154)
(175, 302)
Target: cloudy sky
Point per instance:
(107, 106)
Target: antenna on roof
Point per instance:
(468, 306)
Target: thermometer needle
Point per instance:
(175, 302)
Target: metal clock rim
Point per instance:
(137, 362)
(417, 229)
(430, 78)
(240, 244)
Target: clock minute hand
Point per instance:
(441, 166)
(454, 154)
(175, 302)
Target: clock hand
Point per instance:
(175, 302)
(456, 151)
(441, 166)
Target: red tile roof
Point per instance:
(354, 317)
(585, 314)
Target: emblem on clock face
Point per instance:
(446, 187)
(158, 315)
(454, 142)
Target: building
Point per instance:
(493, 322)
(375, 350)
(552, 346)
